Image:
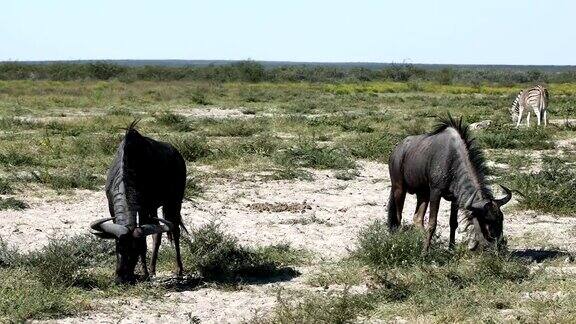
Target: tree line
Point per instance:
(251, 71)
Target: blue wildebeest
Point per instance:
(145, 175)
(445, 163)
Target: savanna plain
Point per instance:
(285, 204)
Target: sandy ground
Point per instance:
(337, 210)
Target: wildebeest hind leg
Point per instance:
(453, 223)
(433, 218)
(172, 213)
(156, 239)
(421, 206)
(395, 206)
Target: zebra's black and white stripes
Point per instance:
(535, 98)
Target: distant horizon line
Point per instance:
(274, 62)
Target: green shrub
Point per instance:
(379, 248)
(509, 137)
(72, 179)
(174, 121)
(347, 123)
(308, 154)
(193, 188)
(376, 146)
(12, 203)
(192, 148)
(9, 256)
(199, 97)
(549, 190)
(218, 256)
(14, 158)
(105, 71)
(23, 298)
(334, 308)
(346, 175)
(61, 261)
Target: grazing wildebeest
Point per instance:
(145, 175)
(445, 163)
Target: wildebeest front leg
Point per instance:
(180, 270)
(142, 251)
(433, 218)
(421, 206)
(453, 223)
(157, 239)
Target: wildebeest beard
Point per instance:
(470, 228)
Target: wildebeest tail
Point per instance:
(392, 219)
(178, 222)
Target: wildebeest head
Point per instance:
(487, 219)
(130, 243)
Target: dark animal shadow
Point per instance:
(194, 282)
(539, 256)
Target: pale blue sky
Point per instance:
(474, 32)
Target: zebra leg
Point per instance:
(520, 110)
(528, 119)
(545, 118)
(538, 116)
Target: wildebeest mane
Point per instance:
(135, 167)
(475, 154)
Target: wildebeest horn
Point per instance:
(149, 229)
(503, 201)
(108, 230)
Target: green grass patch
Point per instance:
(175, 121)
(15, 158)
(375, 146)
(509, 137)
(438, 286)
(22, 298)
(12, 203)
(50, 282)
(72, 179)
(549, 190)
(191, 147)
(308, 154)
(6, 187)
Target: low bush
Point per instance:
(72, 179)
(509, 137)
(375, 146)
(12, 203)
(379, 248)
(192, 148)
(308, 154)
(549, 190)
(174, 121)
(217, 256)
(23, 298)
(61, 261)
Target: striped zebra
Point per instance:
(535, 98)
